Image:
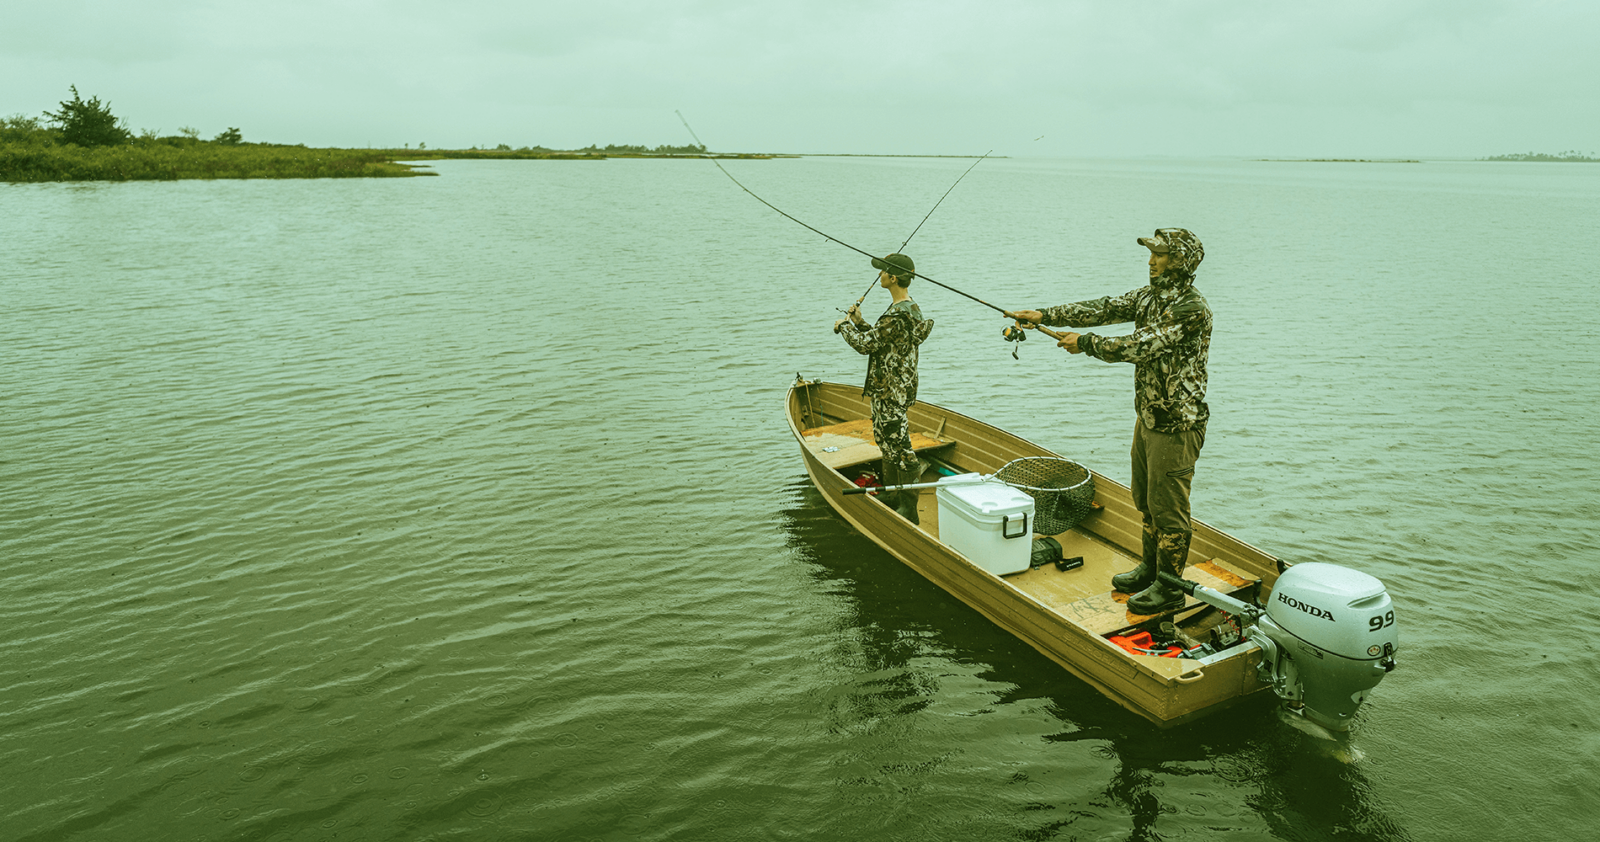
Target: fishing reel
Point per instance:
(1014, 333)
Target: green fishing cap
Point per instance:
(896, 264)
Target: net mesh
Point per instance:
(1062, 490)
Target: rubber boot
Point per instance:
(886, 476)
(906, 505)
(1172, 555)
(891, 479)
(1140, 577)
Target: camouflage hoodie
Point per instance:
(891, 346)
(1168, 347)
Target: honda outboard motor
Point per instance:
(1327, 636)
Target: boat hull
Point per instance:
(1071, 632)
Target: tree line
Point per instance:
(1569, 155)
(664, 149)
(89, 123)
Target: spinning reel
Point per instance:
(1012, 333)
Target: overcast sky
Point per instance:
(1354, 78)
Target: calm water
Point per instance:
(463, 507)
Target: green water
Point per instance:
(464, 507)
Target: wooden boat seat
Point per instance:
(850, 443)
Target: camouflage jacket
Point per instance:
(891, 346)
(1168, 348)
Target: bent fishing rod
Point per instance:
(758, 198)
(914, 231)
(1041, 328)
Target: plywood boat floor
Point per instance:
(855, 443)
(1104, 611)
(1082, 595)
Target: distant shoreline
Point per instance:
(173, 159)
(870, 155)
(595, 155)
(542, 154)
(1541, 158)
(1339, 160)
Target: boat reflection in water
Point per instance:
(938, 706)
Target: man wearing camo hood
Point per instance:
(1168, 348)
(891, 349)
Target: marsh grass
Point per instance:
(157, 161)
(33, 152)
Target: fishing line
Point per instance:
(758, 198)
(836, 239)
(1041, 328)
(914, 231)
(941, 198)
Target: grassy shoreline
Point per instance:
(1340, 160)
(156, 162)
(165, 160)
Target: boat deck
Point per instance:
(1080, 595)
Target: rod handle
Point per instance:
(1041, 328)
(1181, 584)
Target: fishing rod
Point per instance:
(936, 205)
(1041, 328)
(758, 198)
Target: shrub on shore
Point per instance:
(84, 141)
(88, 123)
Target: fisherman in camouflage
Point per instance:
(1168, 348)
(891, 349)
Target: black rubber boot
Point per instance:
(891, 479)
(1140, 577)
(1172, 555)
(906, 505)
(886, 474)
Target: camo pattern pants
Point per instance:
(1163, 467)
(893, 435)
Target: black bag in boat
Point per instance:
(1045, 551)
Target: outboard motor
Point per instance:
(1327, 637)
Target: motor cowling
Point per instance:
(1332, 638)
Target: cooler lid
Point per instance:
(986, 497)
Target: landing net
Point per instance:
(1062, 490)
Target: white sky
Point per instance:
(1354, 78)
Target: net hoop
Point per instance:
(1062, 490)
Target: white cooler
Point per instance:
(990, 523)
